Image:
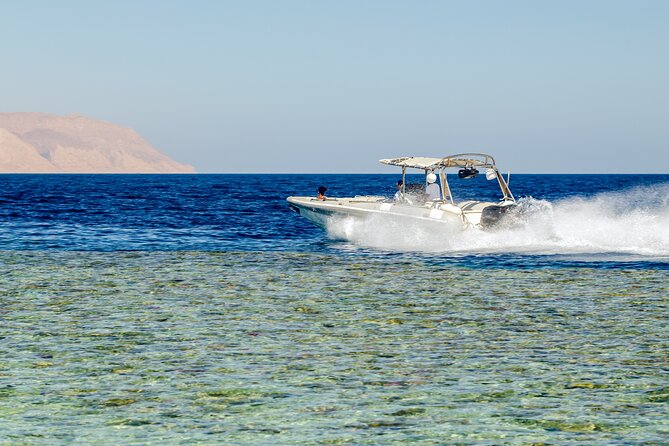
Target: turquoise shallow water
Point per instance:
(318, 348)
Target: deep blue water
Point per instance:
(249, 213)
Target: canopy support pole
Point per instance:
(505, 187)
(445, 188)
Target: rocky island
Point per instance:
(46, 143)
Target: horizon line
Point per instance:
(314, 173)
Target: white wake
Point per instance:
(634, 221)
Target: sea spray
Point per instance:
(634, 221)
(396, 233)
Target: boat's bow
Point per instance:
(318, 211)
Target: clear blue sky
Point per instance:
(332, 86)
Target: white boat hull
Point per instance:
(465, 214)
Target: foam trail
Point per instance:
(634, 221)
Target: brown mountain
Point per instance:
(40, 142)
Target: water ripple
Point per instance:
(243, 347)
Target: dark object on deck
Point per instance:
(468, 172)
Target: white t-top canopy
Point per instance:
(460, 160)
(418, 162)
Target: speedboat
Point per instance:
(414, 202)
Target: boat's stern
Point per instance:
(484, 215)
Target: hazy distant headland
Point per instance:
(45, 143)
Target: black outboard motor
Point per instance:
(494, 215)
(467, 172)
